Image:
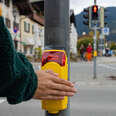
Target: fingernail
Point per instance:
(75, 89)
(72, 84)
(71, 94)
(56, 74)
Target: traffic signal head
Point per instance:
(94, 12)
(87, 16)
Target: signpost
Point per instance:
(106, 31)
(95, 18)
(95, 50)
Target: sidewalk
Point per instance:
(98, 83)
(107, 59)
(82, 72)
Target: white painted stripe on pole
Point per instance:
(106, 66)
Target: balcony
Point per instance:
(31, 8)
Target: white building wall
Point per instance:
(39, 36)
(39, 30)
(8, 13)
(73, 39)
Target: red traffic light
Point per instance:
(95, 13)
(95, 9)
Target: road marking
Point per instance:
(2, 100)
(106, 66)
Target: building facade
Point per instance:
(27, 33)
(11, 22)
(73, 39)
(32, 36)
(73, 34)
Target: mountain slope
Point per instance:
(111, 20)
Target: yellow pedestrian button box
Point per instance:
(95, 53)
(55, 60)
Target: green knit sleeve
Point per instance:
(26, 80)
(18, 80)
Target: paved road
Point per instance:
(90, 101)
(94, 98)
(94, 101)
(83, 71)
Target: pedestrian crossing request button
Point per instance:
(55, 60)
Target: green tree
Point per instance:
(113, 46)
(85, 41)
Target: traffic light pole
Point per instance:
(57, 33)
(95, 2)
(95, 50)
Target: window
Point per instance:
(7, 3)
(26, 27)
(33, 29)
(25, 50)
(31, 50)
(8, 23)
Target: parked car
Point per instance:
(108, 52)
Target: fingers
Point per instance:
(59, 80)
(50, 97)
(51, 87)
(62, 81)
(62, 87)
(60, 84)
(59, 93)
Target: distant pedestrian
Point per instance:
(89, 52)
(82, 52)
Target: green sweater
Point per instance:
(18, 80)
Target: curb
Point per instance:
(97, 83)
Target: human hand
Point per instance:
(51, 87)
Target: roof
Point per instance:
(34, 9)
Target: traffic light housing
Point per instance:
(103, 16)
(87, 16)
(95, 12)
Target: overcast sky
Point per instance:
(78, 5)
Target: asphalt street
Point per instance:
(82, 72)
(89, 101)
(94, 101)
(94, 97)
